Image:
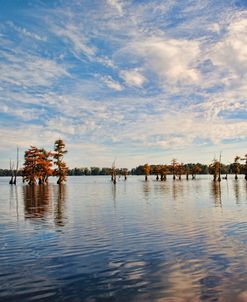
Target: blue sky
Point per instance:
(140, 81)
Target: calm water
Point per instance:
(138, 241)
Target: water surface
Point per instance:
(89, 240)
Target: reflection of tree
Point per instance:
(14, 198)
(177, 190)
(162, 188)
(114, 194)
(37, 201)
(246, 191)
(60, 200)
(216, 192)
(146, 190)
(236, 191)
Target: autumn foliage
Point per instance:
(61, 170)
(38, 165)
(146, 171)
(214, 169)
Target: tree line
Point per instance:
(139, 170)
(39, 165)
(216, 168)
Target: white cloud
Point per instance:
(230, 53)
(75, 36)
(133, 77)
(117, 5)
(111, 83)
(23, 113)
(24, 32)
(172, 60)
(215, 27)
(23, 69)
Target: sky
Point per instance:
(132, 80)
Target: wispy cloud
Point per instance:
(70, 33)
(27, 70)
(111, 83)
(116, 4)
(24, 32)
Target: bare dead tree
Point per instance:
(219, 175)
(11, 167)
(113, 173)
(17, 165)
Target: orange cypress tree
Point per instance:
(174, 167)
(37, 165)
(61, 170)
(195, 170)
(147, 170)
(44, 166)
(180, 170)
(214, 169)
(30, 170)
(157, 170)
(163, 172)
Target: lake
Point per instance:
(89, 240)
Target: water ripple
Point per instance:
(138, 241)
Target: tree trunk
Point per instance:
(11, 182)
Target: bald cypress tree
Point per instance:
(37, 166)
(31, 165)
(147, 171)
(61, 170)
